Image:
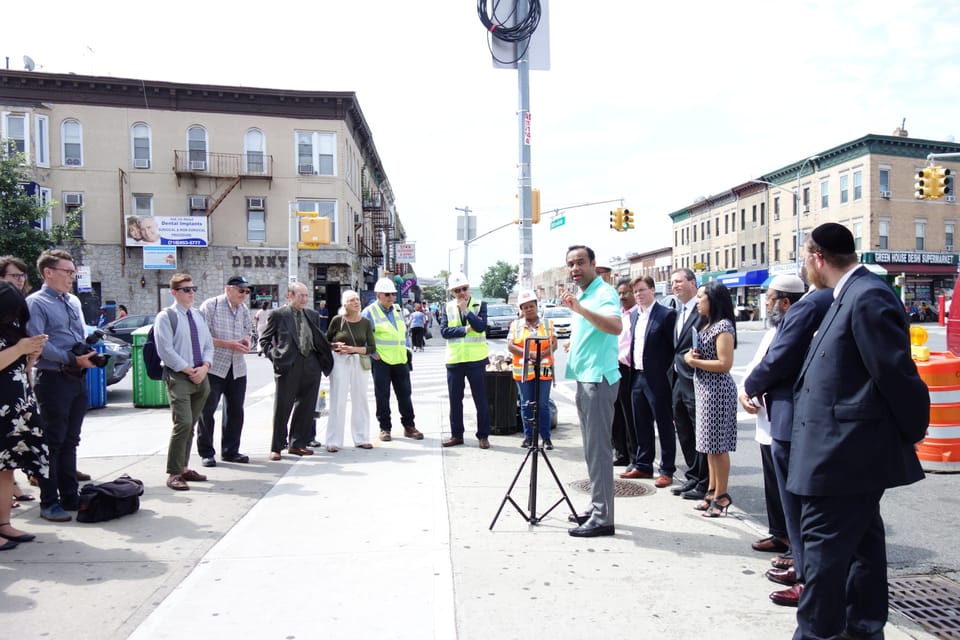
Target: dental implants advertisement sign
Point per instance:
(182, 231)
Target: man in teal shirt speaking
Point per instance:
(592, 362)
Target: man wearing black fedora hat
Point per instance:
(230, 325)
(859, 408)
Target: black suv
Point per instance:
(499, 317)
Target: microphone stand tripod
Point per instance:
(532, 349)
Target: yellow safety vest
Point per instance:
(471, 347)
(521, 332)
(391, 339)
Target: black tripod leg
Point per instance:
(507, 497)
(563, 492)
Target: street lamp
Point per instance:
(796, 204)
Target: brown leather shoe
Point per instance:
(788, 597)
(297, 451)
(274, 455)
(663, 481)
(411, 432)
(636, 474)
(193, 476)
(484, 443)
(772, 544)
(452, 442)
(177, 484)
(786, 577)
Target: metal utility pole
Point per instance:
(466, 236)
(524, 180)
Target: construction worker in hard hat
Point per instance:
(464, 326)
(390, 364)
(534, 393)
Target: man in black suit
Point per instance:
(770, 384)
(683, 283)
(651, 354)
(300, 354)
(859, 409)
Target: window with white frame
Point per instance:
(883, 229)
(73, 209)
(776, 250)
(884, 181)
(857, 233)
(824, 194)
(316, 153)
(325, 209)
(140, 143)
(844, 188)
(776, 208)
(143, 204)
(45, 199)
(254, 151)
(71, 135)
(857, 185)
(256, 220)
(197, 148)
(920, 232)
(15, 132)
(948, 231)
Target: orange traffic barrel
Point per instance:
(940, 449)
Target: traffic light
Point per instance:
(627, 219)
(616, 219)
(898, 281)
(941, 183)
(535, 206)
(923, 188)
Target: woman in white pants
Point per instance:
(351, 337)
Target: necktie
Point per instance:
(194, 340)
(682, 319)
(306, 344)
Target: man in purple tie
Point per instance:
(186, 348)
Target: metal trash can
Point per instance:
(146, 392)
(97, 382)
(502, 401)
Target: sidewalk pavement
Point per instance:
(390, 543)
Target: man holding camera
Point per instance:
(61, 383)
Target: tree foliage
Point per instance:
(499, 280)
(21, 234)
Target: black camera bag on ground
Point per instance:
(109, 500)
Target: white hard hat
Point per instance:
(603, 263)
(526, 296)
(385, 285)
(457, 280)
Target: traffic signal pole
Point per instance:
(524, 186)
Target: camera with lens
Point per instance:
(83, 348)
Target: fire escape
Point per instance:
(225, 169)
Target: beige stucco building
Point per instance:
(130, 153)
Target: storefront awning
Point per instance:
(744, 278)
(922, 269)
(877, 269)
(703, 278)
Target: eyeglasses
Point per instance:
(242, 290)
(16, 276)
(461, 289)
(388, 294)
(71, 272)
(188, 289)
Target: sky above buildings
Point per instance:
(655, 103)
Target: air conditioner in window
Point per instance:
(72, 162)
(885, 194)
(73, 199)
(806, 208)
(753, 263)
(198, 165)
(198, 202)
(792, 255)
(141, 163)
(306, 169)
(743, 263)
(255, 203)
(754, 224)
(951, 198)
(776, 217)
(949, 247)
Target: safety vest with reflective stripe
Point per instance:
(391, 339)
(471, 347)
(520, 332)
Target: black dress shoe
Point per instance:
(594, 531)
(208, 462)
(621, 462)
(237, 457)
(686, 486)
(694, 494)
(579, 518)
(314, 443)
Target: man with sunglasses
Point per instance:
(60, 383)
(186, 348)
(464, 326)
(229, 322)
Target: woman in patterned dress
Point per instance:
(21, 437)
(716, 392)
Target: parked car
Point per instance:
(670, 301)
(124, 327)
(120, 357)
(561, 318)
(499, 317)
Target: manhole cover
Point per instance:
(933, 602)
(621, 488)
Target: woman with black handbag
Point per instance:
(351, 338)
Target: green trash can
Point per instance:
(502, 401)
(146, 392)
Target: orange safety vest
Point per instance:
(521, 332)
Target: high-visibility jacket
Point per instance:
(520, 332)
(471, 347)
(391, 339)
